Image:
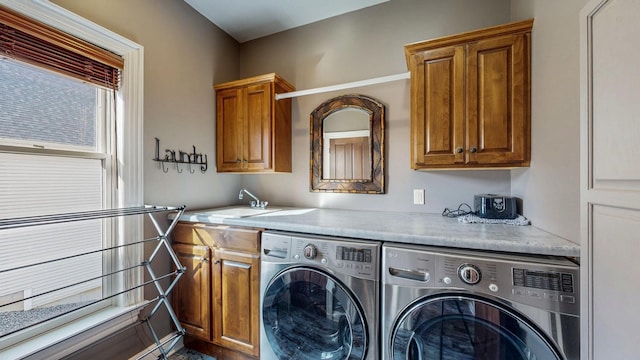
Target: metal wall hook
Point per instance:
(203, 167)
(183, 157)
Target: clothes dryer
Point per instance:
(319, 298)
(454, 304)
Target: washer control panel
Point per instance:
(345, 256)
(357, 254)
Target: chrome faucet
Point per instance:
(255, 203)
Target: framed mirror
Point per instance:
(347, 145)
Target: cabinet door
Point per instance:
(244, 128)
(258, 127)
(498, 100)
(191, 295)
(437, 107)
(229, 130)
(236, 285)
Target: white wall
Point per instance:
(361, 45)
(369, 43)
(551, 187)
(184, 56)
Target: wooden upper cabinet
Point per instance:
(470, 99)
(253, 130)
(438, 106)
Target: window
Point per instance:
(47, 111)
(66, 145)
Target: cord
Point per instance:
(458, 212)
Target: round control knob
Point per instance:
(446, 280)
(470, 274)
(310, 252)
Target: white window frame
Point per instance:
(129, 189)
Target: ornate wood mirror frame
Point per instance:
(373, 184)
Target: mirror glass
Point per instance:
(347, 145)
(346, 149)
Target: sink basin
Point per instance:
(218, 215)
(236, 212)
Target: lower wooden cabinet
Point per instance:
(218, 299)
(192, 294)
(236, 301)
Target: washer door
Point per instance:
(308, 314)
(465, 327)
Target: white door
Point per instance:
(610, 179)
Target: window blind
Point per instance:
(27, 40)
(41, 185)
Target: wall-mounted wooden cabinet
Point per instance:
(253, 130)
(470, 99)
(217, 301)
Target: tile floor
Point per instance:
(188, 354)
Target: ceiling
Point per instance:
(246, 20)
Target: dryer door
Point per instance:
(308, 314)
(466, 327)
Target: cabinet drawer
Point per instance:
(221, 236)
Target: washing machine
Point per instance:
(454, 304)
(319, 298)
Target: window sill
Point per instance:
(74, 336)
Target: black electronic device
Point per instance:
(491, 206)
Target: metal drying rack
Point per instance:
(161, 301)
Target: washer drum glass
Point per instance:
(309, 315)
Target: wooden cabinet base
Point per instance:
(218, 352)
(218, 302)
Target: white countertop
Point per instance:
(402, 227)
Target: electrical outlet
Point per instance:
(418, 196)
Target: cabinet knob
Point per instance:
(216, 262)
(459, 150)
(473, 149)
(237, 160)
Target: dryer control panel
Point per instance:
(541, 281)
